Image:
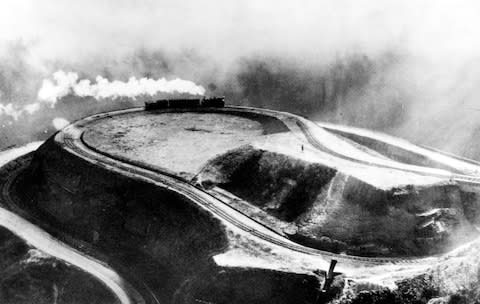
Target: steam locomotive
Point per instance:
(205, 102)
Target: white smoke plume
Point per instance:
(428, 86)
(66, 83)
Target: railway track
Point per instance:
(306, 130)
(60, 248)
(72, 139)
(472, 180)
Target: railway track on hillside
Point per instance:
(60, 249)
(472, 180)
(71, 139)
(306, 130)
(211, 203)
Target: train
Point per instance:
(185, 103)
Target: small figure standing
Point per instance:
(302, 148)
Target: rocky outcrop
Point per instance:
(282, 185)
(336, 211)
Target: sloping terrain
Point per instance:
(162, 220)
(160, 238)
(28, 275)
(158, 232)
(454, 279)
(313, 195)
(336, 211)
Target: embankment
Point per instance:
(394, 152)
(160, 237)
(336, 211)
(28, 275)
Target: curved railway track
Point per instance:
(472, 180)
(211, 203)
(60, 249)
(72, 139)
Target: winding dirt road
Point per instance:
(71, 140)
(43, 241)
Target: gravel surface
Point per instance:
(180, 142)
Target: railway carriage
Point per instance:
(185, 103)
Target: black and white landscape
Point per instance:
(239, 152)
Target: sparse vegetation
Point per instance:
(333, 211)
(29, 276)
